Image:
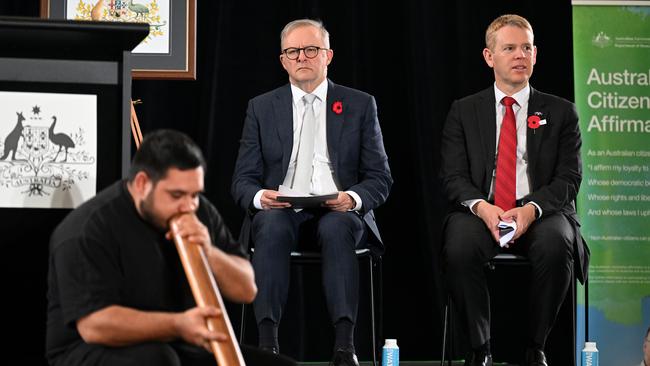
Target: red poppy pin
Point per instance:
(337, 107)
(536, 120)
(533, 122)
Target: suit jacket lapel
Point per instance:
(334, 124)
(282, 106)
(486, 119)
(534, 136)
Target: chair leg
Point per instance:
(380, 301)
(242, 324)
(586, 286)
(450, 327)
(372, 311)
(444, 335)
(574, 309)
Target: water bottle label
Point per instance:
(589, 358)
(390, 357)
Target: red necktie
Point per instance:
(505, 186)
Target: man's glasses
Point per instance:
(292, 53)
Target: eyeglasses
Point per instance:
(292, 53)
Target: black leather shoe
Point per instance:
(535, 357)
(344, 357)
(271, 349)
(479, 359)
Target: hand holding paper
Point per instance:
(506, 232)
(299, 200)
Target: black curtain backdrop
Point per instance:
(415, 57)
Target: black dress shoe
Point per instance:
(271, 349)
(535, 357)
(344, 357)
(479, 359)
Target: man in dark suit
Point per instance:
(312, 137)
(511, 153)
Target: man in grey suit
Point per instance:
(511, 153)
(314, 137)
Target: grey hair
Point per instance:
(305, 23)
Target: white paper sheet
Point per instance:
(507, 232)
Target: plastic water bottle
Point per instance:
(390, 354)
(590, 354)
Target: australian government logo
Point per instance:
(601, 40)
(43, 161)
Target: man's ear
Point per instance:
(283, 61)
(487, 55)
(535, 61)
(330, 56)
(142, 183)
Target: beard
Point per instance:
(149, 214)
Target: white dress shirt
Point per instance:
(521, 115)
(322, 180)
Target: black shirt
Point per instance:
(104, 253)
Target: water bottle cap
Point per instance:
(590, 347)
(391, 343)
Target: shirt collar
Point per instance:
(320, 92)
(521, 96)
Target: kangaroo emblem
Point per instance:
(64, 141)
(11, 141)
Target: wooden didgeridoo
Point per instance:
(205, 291)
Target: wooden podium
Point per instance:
(62, 59)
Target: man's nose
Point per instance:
(188, 205)
(521, 53)
(301, 55)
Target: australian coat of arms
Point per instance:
(39, 158)
(144, 11)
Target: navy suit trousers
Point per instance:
(275, 234)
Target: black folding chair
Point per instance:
(374, 262)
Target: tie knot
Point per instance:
(309, 99)
(508, 101)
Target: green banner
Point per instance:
(612, 92)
